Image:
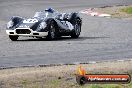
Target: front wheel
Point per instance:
(13, 38)
(52, 32)
(76, 31)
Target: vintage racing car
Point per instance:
(48, 23)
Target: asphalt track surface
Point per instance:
(100, 39)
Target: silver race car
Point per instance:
(48, 23)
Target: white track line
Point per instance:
(93, 13)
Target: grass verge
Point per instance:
(62, 76)
(128, 10)
(116, 11)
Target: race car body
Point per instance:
(49, 23)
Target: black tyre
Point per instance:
(52, 34)
(13, 38)
(77, 29)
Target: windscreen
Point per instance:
(43, 14)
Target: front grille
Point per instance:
(23, 31)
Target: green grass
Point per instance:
(55, 83)
(25, 83)
(106, 86)
(128, 10)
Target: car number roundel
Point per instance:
(30, 21)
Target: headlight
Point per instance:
(42, 25)
(10, 24)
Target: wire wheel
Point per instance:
(52, 31)
(77, 30)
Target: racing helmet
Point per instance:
(50, 10)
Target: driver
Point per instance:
(50, 10)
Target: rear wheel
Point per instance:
(77, 29)
(13, 38)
